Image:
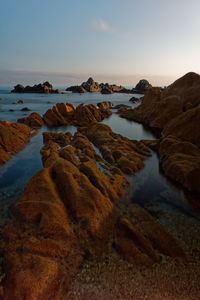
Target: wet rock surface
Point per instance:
(69, 214)
(13, 138)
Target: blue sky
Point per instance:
(115, 40)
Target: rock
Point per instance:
(135, 100)
(14, 102)
(34, 120)
(67, 214)
(121, 106)
(143, 85)
(11, 110)
(25, 109)
(60, 114)
(107, 90)
(94, 87)
(185, 126)
(181, 162)
(45, 87)
(20, 102)
(105, 105)
(68, 114)
(18, 89)
(154, 110)
(91, 86)
(13, 138)
(76, 89)
(115, 149)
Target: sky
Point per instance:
(115, 41)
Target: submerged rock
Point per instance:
(13, 138)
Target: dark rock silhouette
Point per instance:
(45, 87)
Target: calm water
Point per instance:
(148, 188)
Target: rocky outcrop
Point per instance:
(76, 89)
(143, 85)
(185, 126)
(45, 87)
(105, 105)
(60, 114)
(13, 138)
(159, 107)
(181, 162)
(116, 149)
(155, 111)
(34, 120)
(68, 114)
(68, 214)
(94, 87)
(135, 100)
(174, 111)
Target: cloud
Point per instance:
(101, 25)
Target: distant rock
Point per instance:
(25, 109)
(107, 90)
(143, 85)
(45, 87)
(76, 89)
(135, 100)
(118, 106)
(105, 105)
(20, 102)
(94, 87)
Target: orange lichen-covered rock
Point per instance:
(34, 120)
(181, 161)
(159, 107)
(185, 126)
(154, 111)
(127, 154)
(68, 114)
(60, 114)
(67, 214)
(13, 138)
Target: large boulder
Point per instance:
(13, 138)
(91, 86)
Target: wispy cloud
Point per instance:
(101, 25)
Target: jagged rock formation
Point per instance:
(105, 105)
(68, 114)
(94, 87)
(105, 88)
(68, 214)
(143, 85)
(175, 112)
(34, 120)
(45, 87)
(13, 138)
